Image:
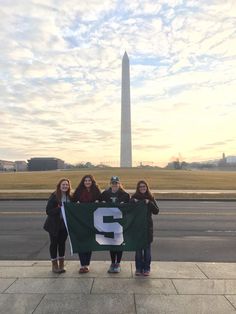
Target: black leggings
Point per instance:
(85, 258)
(58, 244)
(116, 256)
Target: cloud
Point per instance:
(61, 72)
(151, 147)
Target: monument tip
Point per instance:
(125, 55)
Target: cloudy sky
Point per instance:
(60, 76)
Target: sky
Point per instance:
(60, 79)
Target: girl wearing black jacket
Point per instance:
(143, 256)
(115, 194)
(86, 192)
(55, 226)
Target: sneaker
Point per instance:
(146, 273)
(117, 268)
(138, 273)
(111, 268)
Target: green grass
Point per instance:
(157, 179)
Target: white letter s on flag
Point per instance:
(114, 227)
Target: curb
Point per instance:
(159, 199)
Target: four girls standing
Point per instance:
(88, 192)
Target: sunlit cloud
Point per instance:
(61, 74)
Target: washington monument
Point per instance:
(125, 143)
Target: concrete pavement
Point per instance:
(173, 287)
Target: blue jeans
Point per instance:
(143, 259)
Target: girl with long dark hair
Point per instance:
(55, 226)
(143, 256)
(86, 192)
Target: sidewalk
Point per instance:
(202, 195)
(173, 287)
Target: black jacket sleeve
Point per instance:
(132, 200)
(125, 197)
(152, 205)
(98, 197)
(104, 196)
(53, 208)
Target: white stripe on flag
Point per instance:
(65, 221)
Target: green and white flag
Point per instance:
(103, 226)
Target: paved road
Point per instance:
(184, 231)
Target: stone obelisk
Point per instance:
(125, 144)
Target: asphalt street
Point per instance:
(183, 231)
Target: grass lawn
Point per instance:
(157, 179)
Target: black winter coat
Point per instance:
(152, 209)
(118, 197)
(54, 222)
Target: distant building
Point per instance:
(45, 163)
(231, 159)
(6, 165)
(21, 165)
(223, 161)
